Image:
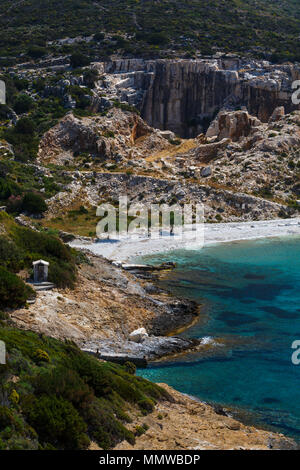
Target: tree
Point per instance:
(157, 39)
(36, 52)
(23, 104)
(90, 77)
(25, 126)
(99, 37)
(79, 60)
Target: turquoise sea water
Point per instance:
(250, 297)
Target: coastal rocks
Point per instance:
(139, 269)
(151, 348)
(184, 423)
(176, 313)
(106, 305)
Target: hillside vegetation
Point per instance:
(261, 27)
(19, 247)
(53, 396)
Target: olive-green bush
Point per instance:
(13, 291)
(68, 401)
(33, 203)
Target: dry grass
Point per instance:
(173, 150)
(73, 221)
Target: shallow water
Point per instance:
(250, 296)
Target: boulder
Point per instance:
(277, 114)
(138, 335)
(169, 135)
(206, 171)
(233, 125)
(207, 152)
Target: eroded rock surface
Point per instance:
(106, 305)
(184, 95)
(187, 424)
(242, 169)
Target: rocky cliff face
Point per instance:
(242, 169)
(185, 95)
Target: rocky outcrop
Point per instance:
(233, 205)
(237, 160)
(103, 310)
(277, 114)
(206, 152)
(114, 136)
(184, 423)
(232, 125)
(185, 95)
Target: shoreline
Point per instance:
(126, 250)
(214, 234)
(118, 252)
(203, 426)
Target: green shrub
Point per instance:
(5, 189)
(3, 316)
(13, 291)
(79, 60)
(34, 203)
(23, 104)
(56, 421)
(11, 257)
(41, 356)
(65, 383)
(139, 430)
(36, 52)
(6, 417)
(130, 367)
(14, 397)
(103, 426)
(25, 144)
(21, 83)
(90, 77)
(4, 111)
(25, 126)
(109, 134)
(99, 36)
(146, 405)
(42, 243)
(83, 210)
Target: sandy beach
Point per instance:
(127, 249)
